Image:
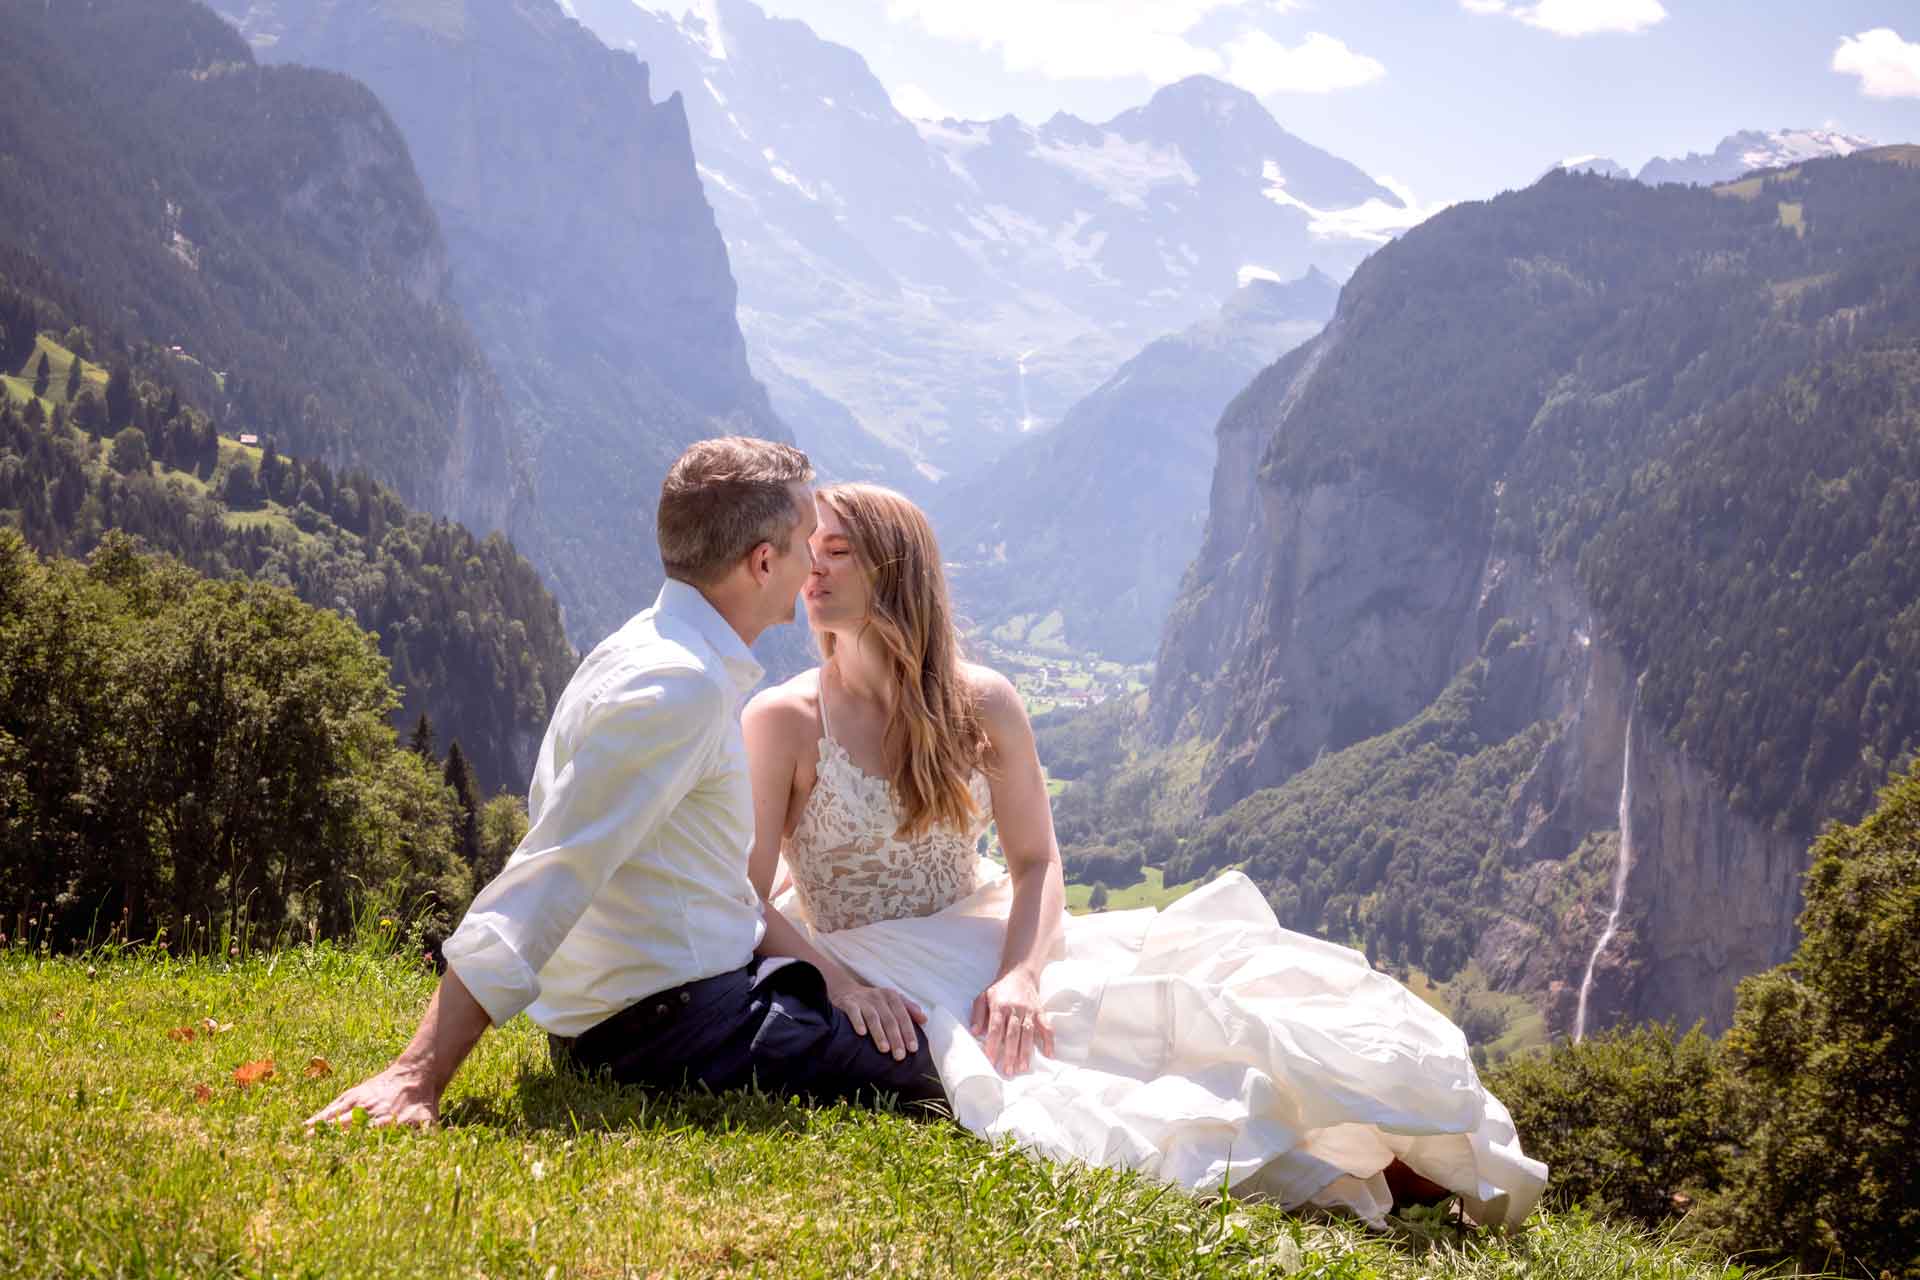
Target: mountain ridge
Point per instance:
(952, 285)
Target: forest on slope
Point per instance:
(114, 439)
(1658, 349)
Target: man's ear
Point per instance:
(760, 561)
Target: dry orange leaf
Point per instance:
(319, 1067)
(252, 1073)
(202, 1094)
(183, 1034)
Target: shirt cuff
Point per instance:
(490, 968)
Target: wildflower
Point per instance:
(539, 1170)
(386, 922)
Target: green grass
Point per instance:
(271, 516)
(115, 1168)
(1526, 1024)
(19, 383)
(1151, 891)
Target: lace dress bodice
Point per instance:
(851, 868)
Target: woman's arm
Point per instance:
(772, 728)
(1007, 1014)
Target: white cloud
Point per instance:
(915, 103)
(1153, 39)
(1576, 17)
(1888, 66)
(1319, 64)
(1076, 39)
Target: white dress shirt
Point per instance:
(632, 877)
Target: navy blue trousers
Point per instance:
(779, 1032)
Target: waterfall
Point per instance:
(1624, 864)
(1026, 407)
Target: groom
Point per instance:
(624, 924)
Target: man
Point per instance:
(625, 924)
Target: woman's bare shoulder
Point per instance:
(788, 710)
(992, 692)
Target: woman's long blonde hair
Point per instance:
(934, 735)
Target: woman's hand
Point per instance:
(882, 1013)
(1007, 1017)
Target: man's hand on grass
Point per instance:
(399, 1095)
(408, 1092)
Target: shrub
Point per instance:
(1625, 1120)
(1824, 1060)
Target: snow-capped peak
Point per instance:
(699, 19)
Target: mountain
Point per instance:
(197, 248)
(266, 222)
(1751, 149)
(583, 252)
(1599, 165)
(951, 284)
(1583, 537)
(1081, 532)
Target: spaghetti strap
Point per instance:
(820, 697)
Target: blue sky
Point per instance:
(1456, 99)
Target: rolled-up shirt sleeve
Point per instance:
(639, 750)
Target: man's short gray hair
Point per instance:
(724, 497)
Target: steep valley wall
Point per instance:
(1324, 613)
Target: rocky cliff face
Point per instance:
(583, 251)
(352, 198)
(1345, 610)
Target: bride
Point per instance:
(1202, 1044)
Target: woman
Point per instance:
(1202, 1044)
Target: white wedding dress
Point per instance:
(1202, 1044)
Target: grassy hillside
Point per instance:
(132, 1150)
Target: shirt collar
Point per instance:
(683, 600)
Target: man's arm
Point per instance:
(408, 1092)
(641, 749)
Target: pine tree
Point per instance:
(272, 471)
(42, 375)
(459, 775)
(74, 369)
(421, 743)
(119, 397)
